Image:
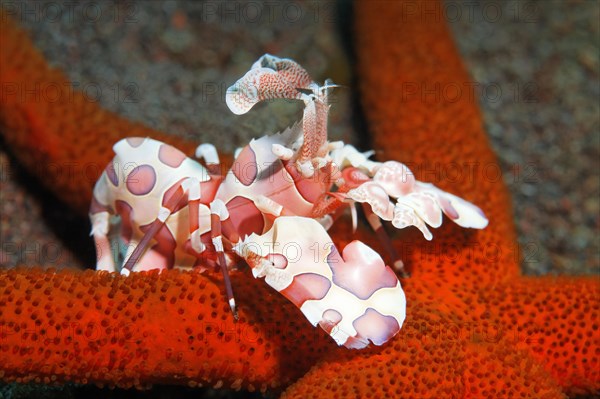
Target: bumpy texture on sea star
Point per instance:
(475, 328)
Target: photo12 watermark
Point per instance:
(470, 91)
(67, 91)
(471, 11)
(89, 12)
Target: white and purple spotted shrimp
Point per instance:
(281, 194)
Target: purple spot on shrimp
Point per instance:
(111, 174)
(448, 208)
(245, 216)
(360, 270)
(141, 180)
(170, 155)
(376, 327)
(135, 141)
(329, 320)
(245, 168)
(307, 286)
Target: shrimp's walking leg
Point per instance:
(169, 206)
(219, 214)
(383, 236)
(100, 214)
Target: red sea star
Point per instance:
(475, 328)
(555, 320)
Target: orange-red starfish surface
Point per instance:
(475, 328)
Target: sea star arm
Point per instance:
(430, 134)
(436, 357)
(150, 328)
(557, 319)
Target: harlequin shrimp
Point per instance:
(282, 192)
